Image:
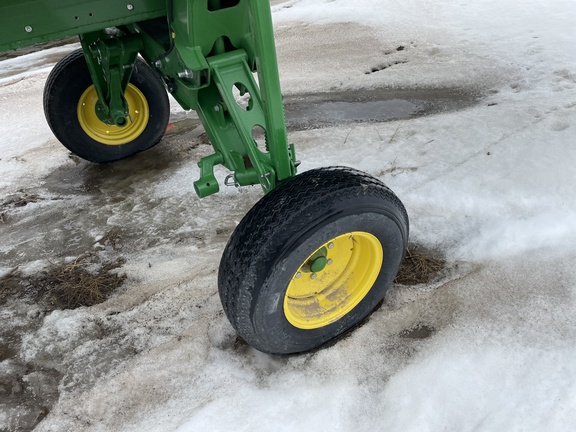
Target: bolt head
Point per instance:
(314, 276)
(330, 245)
(329, 262)
(298, 275)
(217, 108)
(130, 7)
(28, 29)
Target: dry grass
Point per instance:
(419, 267)
(72, 286)
(64, 286)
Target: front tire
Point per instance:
(312, 259)
(69, 106)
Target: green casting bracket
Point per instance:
(110, 59)
(215, 48)
(208, 185)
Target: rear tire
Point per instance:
(69, 99)
(312, 259)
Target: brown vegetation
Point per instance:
(419, 267)
(64, 286)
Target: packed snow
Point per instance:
(490, 186)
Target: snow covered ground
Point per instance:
(490, 186)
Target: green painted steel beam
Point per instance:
(27, 22)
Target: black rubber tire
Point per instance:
(282, 230)
(64, 87)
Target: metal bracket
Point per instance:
(110, 59)
(208, 185)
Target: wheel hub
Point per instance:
(333, 280)
(111, 134)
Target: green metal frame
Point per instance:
(206, 51)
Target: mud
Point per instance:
(420, 331)
(6, 352)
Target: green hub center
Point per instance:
(317, 262)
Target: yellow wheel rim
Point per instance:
(112, 134)
(346, 269)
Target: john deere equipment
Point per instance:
(315, 256)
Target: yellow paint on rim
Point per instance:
(315, 300)
(112, 134)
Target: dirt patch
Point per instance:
(178, 127)
(83, 282)
(6, 352)
(420, 331)
(420, 267)
(27, 396)
(19, 199)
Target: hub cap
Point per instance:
(112, 134)
(333, 280)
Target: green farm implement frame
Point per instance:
(203, 50)
(316, 254)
